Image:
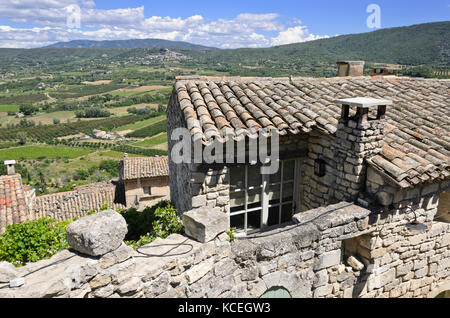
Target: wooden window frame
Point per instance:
(265, 193)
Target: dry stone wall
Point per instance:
(338, 251)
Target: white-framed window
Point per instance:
(262, 201)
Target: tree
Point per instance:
(22, 137)
(27, 109)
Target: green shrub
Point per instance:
(37, 240)
(144, 227)
(110, 166)
(33, 241)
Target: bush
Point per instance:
(92, 112)
(27, 109)
(37, 240)
(144, 227)
(27, 123)
(110, 166)
(81, 174)
(33, 241)
(23, 137)
(56, 121)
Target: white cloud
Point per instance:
(295, 35)
(49, 18)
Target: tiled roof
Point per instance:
(145, 167)
(15, 209)
(13, 205)
(68, 205)
(418, 143)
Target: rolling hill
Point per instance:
(425, 45)
(135, 43)
(412, 45)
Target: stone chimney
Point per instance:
(350, 68)
(10, 170)
(360, 135)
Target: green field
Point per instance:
(114, 154)
(9, 108)
(128, 93)
(151, 142)
(42, 152)
(141, 124)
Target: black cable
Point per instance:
(165, 254)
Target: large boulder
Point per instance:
(7, 272)
(204, 224)
(97, 234)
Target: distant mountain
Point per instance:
(136, 43)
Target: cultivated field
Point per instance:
(42, 152)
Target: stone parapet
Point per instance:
(314, 257)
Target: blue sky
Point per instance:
(225, 24)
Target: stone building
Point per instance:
(350, 68)
(383, 141)
(145, 179)
(359, 207)
(385, 70)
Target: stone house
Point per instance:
(378, 141)
(384, 70)
(145, 179)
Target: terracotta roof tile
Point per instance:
(144, 167)
(418, 121)
(69, 205)
(13, 202)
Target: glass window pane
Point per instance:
(274, 194)
(274, 216)
(254, 220)
(254, 197)
(254, 176)
(237, 178)
(237, 222)
(288, 192)
(237, 201)
(286, 213)
(288, 170)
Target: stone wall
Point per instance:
(337, 251)
(179, 174)
(344, 157)
(425, 196)
(318, 191)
